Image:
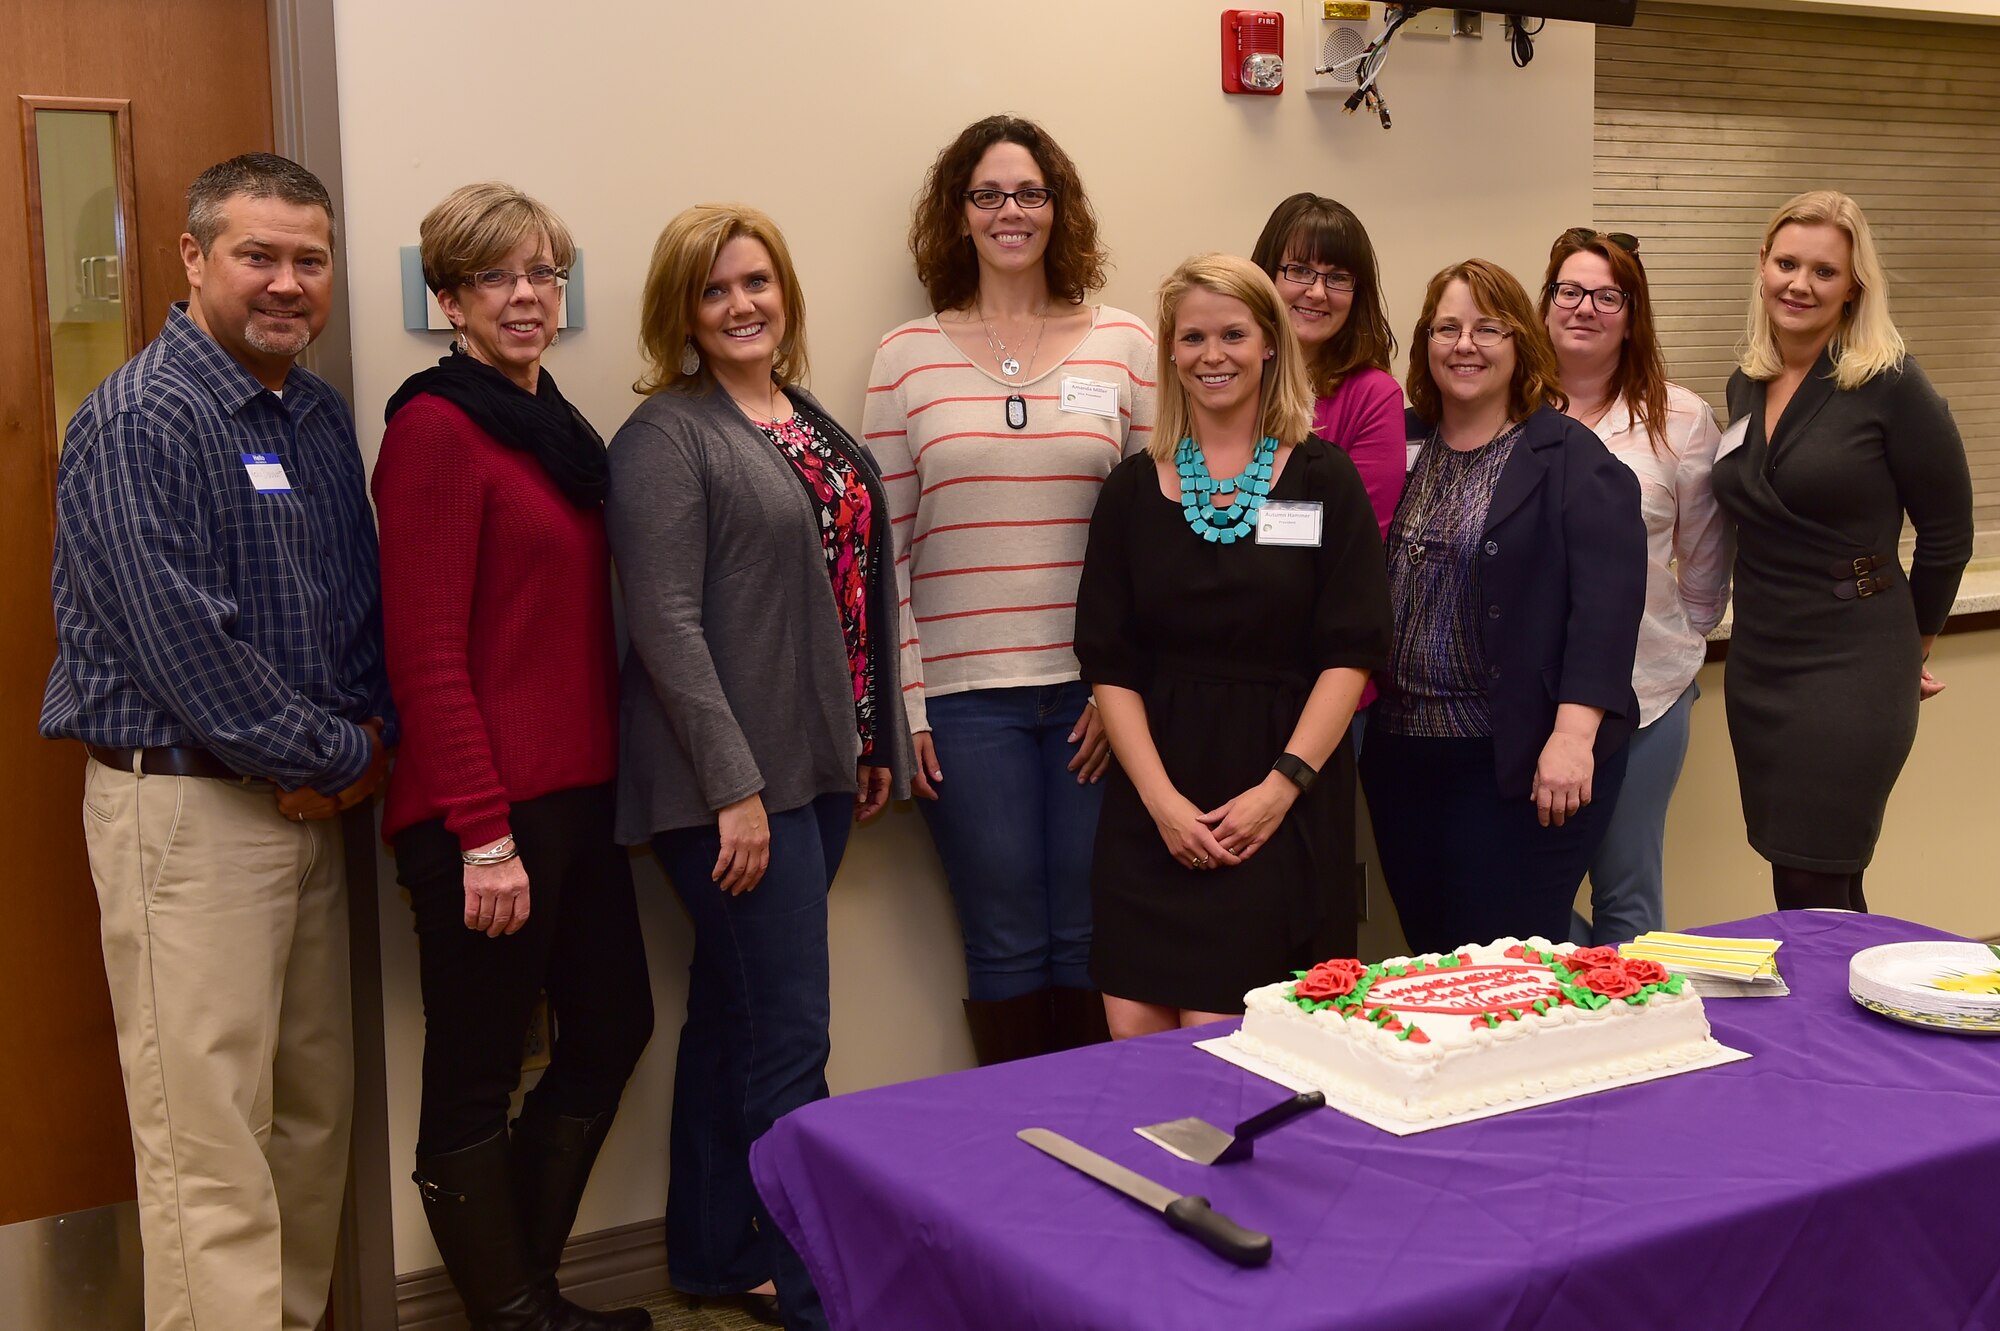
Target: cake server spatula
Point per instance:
(1205, 1144)
(1190, 1215)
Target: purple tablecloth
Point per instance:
(1846, 1175)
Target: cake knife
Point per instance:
(1188, 1214)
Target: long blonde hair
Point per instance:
(1866, 341)
(682, 258)
(1286, 395)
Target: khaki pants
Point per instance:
(225, 943)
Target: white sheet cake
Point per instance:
(1416, 1038)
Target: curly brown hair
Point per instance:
(1074, 262)
(1641, 376)
(1498, 294)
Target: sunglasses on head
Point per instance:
(1583, 235)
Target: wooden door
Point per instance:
(196, 74)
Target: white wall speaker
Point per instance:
(1339, 31)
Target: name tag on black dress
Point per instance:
(1289, 522)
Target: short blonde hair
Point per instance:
(476, 225)
(1865, 342)
(1286, 395)
(682, 259)
(1497, 293)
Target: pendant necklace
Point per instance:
(1201, 493)
(1437, 496)
(1009, 366)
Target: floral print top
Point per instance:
(834, 482)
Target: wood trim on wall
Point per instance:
(598, 1270)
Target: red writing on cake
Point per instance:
(1466, 990)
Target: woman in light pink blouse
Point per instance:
(1600, 317)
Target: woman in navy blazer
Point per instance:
(1517, 575)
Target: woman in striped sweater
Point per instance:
(995, 421)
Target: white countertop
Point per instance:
(1978, 590)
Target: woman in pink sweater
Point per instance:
(1318, 253)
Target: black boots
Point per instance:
(1038, 1023)
(1005, 1029)
(1076, 1018)
(501, 1214)
(470, 1206)
(552, 1157)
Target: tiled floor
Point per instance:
(671, 1313)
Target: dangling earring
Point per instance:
(690, 359)
(555, 337)
(464, 347)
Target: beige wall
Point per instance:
(1935, 860)
(619, 115)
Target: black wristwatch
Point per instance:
(1296, 770)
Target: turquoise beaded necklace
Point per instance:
(1223, 523)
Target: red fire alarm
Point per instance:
(1253, 51)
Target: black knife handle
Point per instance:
(1282, 1112)
(1217, 1232)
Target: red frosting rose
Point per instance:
(1613, 981)
(1330, 979)
(1646, 972)
(1589, 958)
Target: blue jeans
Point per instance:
(1015, 831)
(1628, 875)
(753, 1049)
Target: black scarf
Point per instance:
(542, 424)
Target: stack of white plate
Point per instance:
(1944, 986)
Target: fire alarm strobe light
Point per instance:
(1253, 51)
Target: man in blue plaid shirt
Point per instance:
(219, 649)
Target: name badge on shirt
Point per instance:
(1092, 397)
(1733, 437)
(266, 472)
(1289, 522)
(1412, 450)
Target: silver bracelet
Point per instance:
(498, 853)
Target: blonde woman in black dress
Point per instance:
(1835, 437)
(1232, 605)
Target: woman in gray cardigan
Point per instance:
(1836, 436)
(760, 710)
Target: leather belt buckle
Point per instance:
(1858, 567)
(1860, 588)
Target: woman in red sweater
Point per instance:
(496, 595)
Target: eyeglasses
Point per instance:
(1483, 335)
(992, 200)
(1583, 235)
(501, 279)
(1608, 300)
(1305, 276)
